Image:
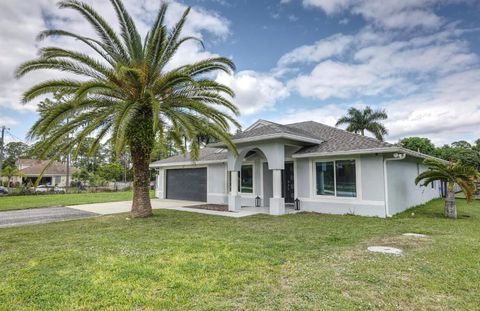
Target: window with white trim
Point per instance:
(246, 179)
(336, 178)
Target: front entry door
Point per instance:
(288, 187)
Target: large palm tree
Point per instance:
(451, 174)
(359, 121)
(126, 93)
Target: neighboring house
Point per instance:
(328, 169)
(55, 175)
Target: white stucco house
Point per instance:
(327, 169)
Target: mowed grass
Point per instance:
(48, 200)
(188, 261)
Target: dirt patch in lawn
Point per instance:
(211, 207)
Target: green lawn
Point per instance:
(189, 261)
(47, 200)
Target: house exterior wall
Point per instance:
(217, 183)
(370, 200)
(370, 189)
(372, 178)
(303, 187)
(402, 191)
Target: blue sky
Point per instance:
(300, 59)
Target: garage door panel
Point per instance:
(187, 184)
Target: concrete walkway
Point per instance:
(177, 205)
(41, 216)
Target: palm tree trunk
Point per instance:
(141, 137)
(141, 205)
(450, 206)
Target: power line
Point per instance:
(15, 137)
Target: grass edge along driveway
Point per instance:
(8, 203)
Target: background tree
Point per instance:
(10, 172)
(419, 144)
(90, 161)
(358, 121)
(111, 171)
(128, 93)
(451, 173)
(460, 151)
(476, 145)
(15, 151)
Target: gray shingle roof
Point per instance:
(269, 128)
(336, 139)
(331, 139)
(206, 154)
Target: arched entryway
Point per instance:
(252, 159)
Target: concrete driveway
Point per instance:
(41, 216)
(53, 214)
(126, 206)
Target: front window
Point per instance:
(336, 178)
(325, 178)
(246, 179)
(346, 178)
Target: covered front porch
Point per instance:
(262, 178)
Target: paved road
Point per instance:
(41, 216)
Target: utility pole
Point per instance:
(67, 186)
(2, 145)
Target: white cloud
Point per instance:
(427, 81)
(327, 114)
(405, 14)
(400, 14)
(335, 79)
(18, 43)
(446, 112)
(7, 121)
(329, 6)
(320, 50)
(254, 92)
(367, 68)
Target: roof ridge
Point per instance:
(345, 131)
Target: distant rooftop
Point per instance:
(33, 167)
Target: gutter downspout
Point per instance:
(396, 157)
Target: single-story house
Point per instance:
(55, 175)
(329, 170)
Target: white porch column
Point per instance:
(277, 183)
(234, 200)
(160, 185)
(277, 203)
(234, 182)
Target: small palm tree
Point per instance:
(128, 94)
(452, 174)
(367, 119)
